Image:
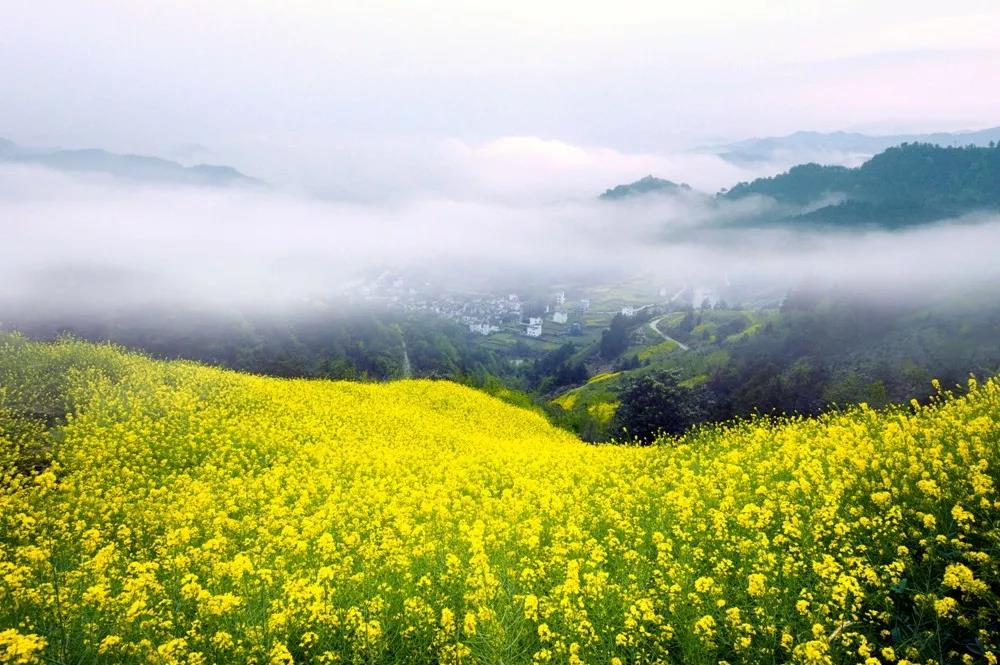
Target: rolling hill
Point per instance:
(171, 512)
(138, 168)
(822, 347)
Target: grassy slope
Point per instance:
(187, 514)
(599, 396)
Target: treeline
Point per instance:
(339, 343)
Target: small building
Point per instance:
(560, 298)
(481, 328)
(534, 320)
(584, 305)
(560, 317)
(534, 330)
(628, 311)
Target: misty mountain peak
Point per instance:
(647, 185)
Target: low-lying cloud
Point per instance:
(79, 242)
(530, 168)
(510, 169)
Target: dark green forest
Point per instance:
(913, 183)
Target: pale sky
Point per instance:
(368, 83)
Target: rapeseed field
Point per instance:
(166, 512)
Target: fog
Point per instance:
(79, 243)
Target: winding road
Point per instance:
(655, 328)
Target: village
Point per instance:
(546, 316)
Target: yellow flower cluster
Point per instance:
(19, 649)
(191, 515)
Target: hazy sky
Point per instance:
(462, 135)
(364, 83)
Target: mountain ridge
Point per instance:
(140, 168)
(769, 148)
(905, 185)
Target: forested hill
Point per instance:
(909, 184)
(647, 185)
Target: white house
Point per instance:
(534, 330)
(534, 320)
(628, 310)
(560, 317)
(561, 298)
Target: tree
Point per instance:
(626, 364)
(614, 340)
(556, 369)
(655, 404)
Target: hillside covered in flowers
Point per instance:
(167, 512)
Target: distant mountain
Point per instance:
(910, 184)
(130, 167)
(647, 185)
(836, 145)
